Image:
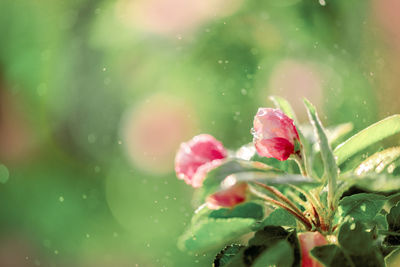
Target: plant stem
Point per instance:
(300, 162)
(279, 195)
(300, 217)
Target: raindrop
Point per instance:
(61, 199)
(243, 91)
(91, 138)
(4, 174)
(97, 169)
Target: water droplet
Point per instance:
(4, 174)
(220, 61)
(84, 196)
(243, 91)
(61, 199)
(322, 2)
(92, 138)
(97, 169)
(87, 235)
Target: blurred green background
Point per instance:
(96, 95)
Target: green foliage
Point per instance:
(354, 238)
(374, 133)
(247, 171)
(278, 217)
(270, 245)
(361, 207)
(210, 228)
(285, 106)
(336, 133)
(393, 220)
(373, 182)
(210, 233)
(279, 254)
(356, 248)
(225, 255)
(214, 178)
(245, 210)
(330, 167)
(380, 161)
(331, 255)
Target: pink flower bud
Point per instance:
(309, 240)
(197, 157)
(230, 197)
(275, 135)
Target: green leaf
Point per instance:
(214, 178)
(370, 135)
(280, 254)
(330, 167)
(393, 220)
(335, 256)
(4, 174)
(333, 133)
(279, 217)
(278, 164)
(226, 255)
(354, 238)
(262, 241)
(274, 179)
(336, 133)
(362, 207)
(284, 105)
(245, 210)
(393, 258)
(210, 233)
(373, 181)
(332, 256)
(268, 235)
(379, 161)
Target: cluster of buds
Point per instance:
(275, 136)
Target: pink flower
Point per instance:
(309, 240)
(230, 197)
(197, 157)
(275, 135)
